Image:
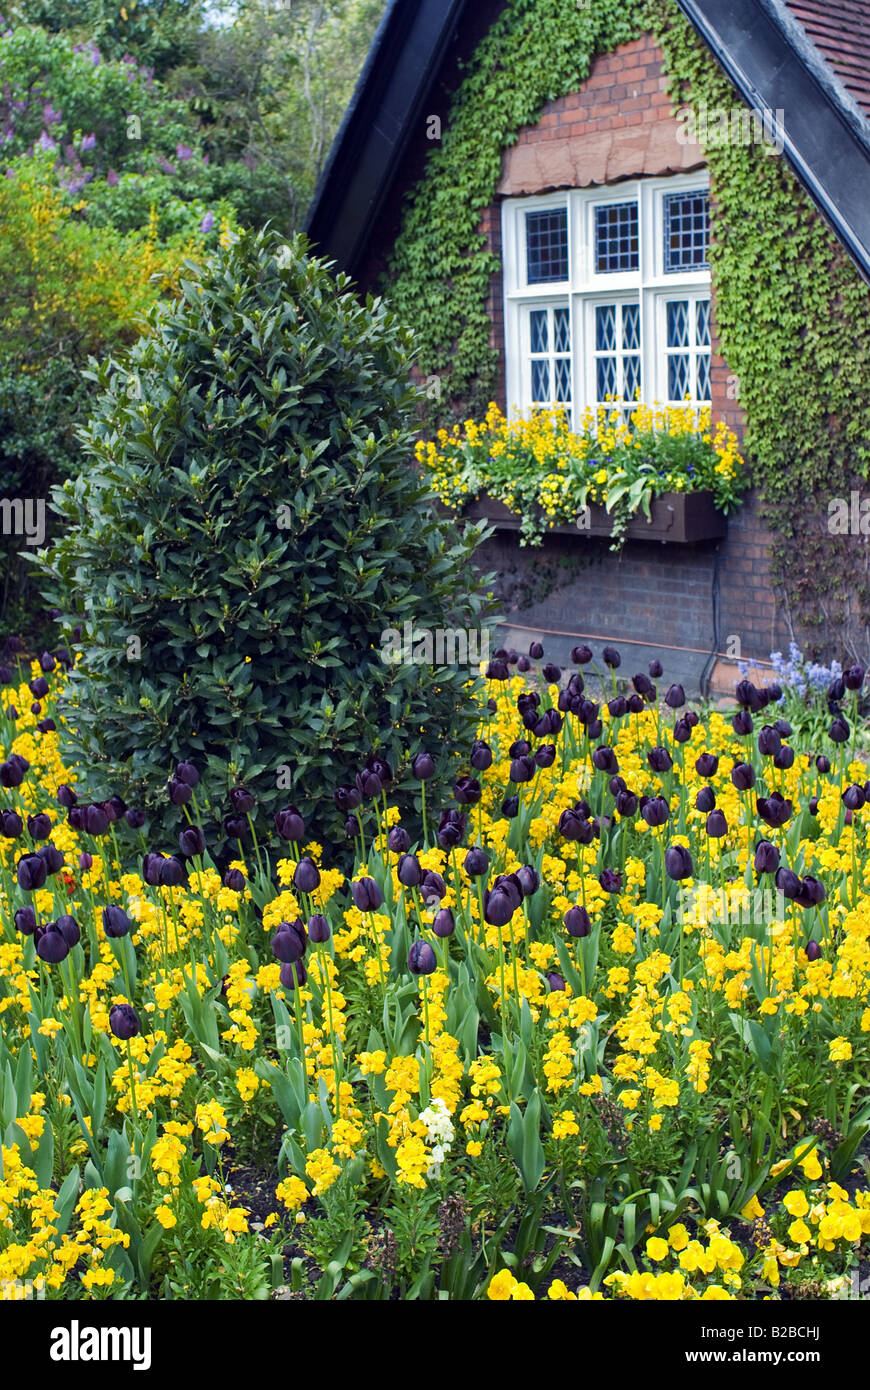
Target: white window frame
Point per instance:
(650, 285)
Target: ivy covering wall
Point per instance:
(792, 310)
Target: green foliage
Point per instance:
(249, 513)
(791, 307)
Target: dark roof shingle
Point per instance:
(840, 30)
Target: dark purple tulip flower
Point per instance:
(367, 895)
(675, 697)
(134, 818)
(823, 764)
(242, 801)
(123, 1021)
(510, 807)
(481, 755)
(626, 804)
(86, 860)
(187, 773)
(25, 920)
(369, 785)
(854, 797)
(634, 704)
(66, 796)
(234, 879)
(191, 841)
(51, 945)
(743, 776)
(659, 759)
(717, 825)
(837, 689)
(706, 799)
(443, 924)
(611, 658)
(655, 668)
(290, 824)
(610, 881)
(289, 942)
(235, 827)
(545, 755)
(787, 882)
(742, 723)
(11, 825)
(116, 923)
(655, 811)
(536, 651)
(581, 655)
(498, 906)
(769, 741)
(529, 880)
(774, 809)
(11, 773)
(839, 730)
(306, 875)
(423, 766)
(642, 684)
(421, 958)
(319, 930)
(854, 677)
(398, 840)
(39, 687)
(151, 869)
(408, 870)
(476, 862)
(69, 930)
(555, 983)
(179, 792)
(523, 664)
(293, 973)
(605, 760)
(171, 872)
(498, 671)
(51, 857)
(31, 872)
(766, 857)
(682, 731)
(466, 790)
(785, 757)
(347, 798)
(552, 674)
(522, 769)
(678, 862)
(451, 829)
(577, 921)
(96, 820)
(813, 950)
(811, 892)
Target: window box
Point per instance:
(680, 518)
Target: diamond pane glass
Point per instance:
(561, 331)
(606, 377)
(547, 246)
(541, 381)
(687, 231)
(704, 393)
(605, 327)
(632, 377)
(678, 377)
(631, 327)
(678, 323)
(538, 324)
(616, 238)
(702, 309)
(562, 367)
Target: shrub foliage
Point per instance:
(251, 518)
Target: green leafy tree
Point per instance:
(251, 515)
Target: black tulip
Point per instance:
(706, 799)
(443, 924)
(123, 1021)
(289, 823)
(234, 879)
(69, 930)
(367, 895)
(678, 862)
(581, 655)
(742, 723)
(398, 840)
(347, 798)
(476, 862)
(787, 882)
(25, 920)
(191, 841)
(11, 825)
(306, 875)
(659, 759)
(481, 755)
(655, 811)
(319, 930)
(577, 922)
(235, 827)
(171, 872)
(813, 950)
(179, 792)
(187, 773)
(839, 730)
(717, 825)
(675, 697)
(466, 790)
(289, 942)
(409, 872)
(510, 807)
(116, 923)
(51, 945)
(421, 958)
(766, 857)
(134, 818)
(529, 879)
(423, 767)
(854, 677)
(293, 973)
(610, 881)
(31, 872)
(51, 857)
(823, 764)
(743, 776)
(66, 796)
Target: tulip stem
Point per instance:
(423, 808)
(134, 1107)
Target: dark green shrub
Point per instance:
(250, 514)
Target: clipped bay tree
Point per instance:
(247, 526)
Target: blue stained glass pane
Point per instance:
(616, 238)
(541, 381)
(678, 377)
(561, 330)
(562, 367)
(702, 309)
(631, 327)
(539, 334)
(605, 328)
(547, 246)
(704, 393)
(678, 323)
(632, 377)
(606, 374)
(687, 231)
